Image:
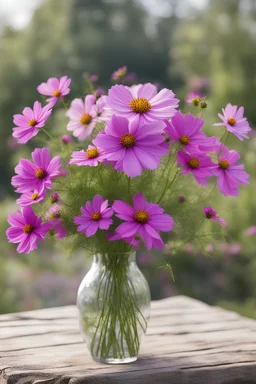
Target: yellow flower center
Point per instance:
(96, 216)
(40, 173)
(184, 140)
(34, 196)
(56, 93)
(32, 122)
(92, 153)
(140, 105)
(224, 164)
(128, 140)
(232, 121)
(86, 119)
(141, 216)
(28, 229)
(193, 163)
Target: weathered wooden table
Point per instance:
(187, 342)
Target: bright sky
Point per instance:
(19, 12)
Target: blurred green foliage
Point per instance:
(213, 49)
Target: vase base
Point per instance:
(126, 360)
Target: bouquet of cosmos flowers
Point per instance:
(118, 187)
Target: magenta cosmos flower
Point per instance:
(186, 130)
(143, 221)
(31, 197)
(30, 121)
(92, 157)
(56, 227)
(83, 117)
(229, 173)
(193, 98)
(142, 102)
(132, 146)
(234, 121)
(37, 175)
(95, 215)
(211, 214)
(26, 229)
(66, 139)
(55, 88)
(198, 164)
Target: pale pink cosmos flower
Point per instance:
(211, 214)
(31, 197)
(142, 102)
(83, 117)
(92, 157)
(95, 215)
(26, 229)
(55, 88)
(193, 98)
(251, 231)
(235, 122)
(30, 121)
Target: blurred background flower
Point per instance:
(200, 46)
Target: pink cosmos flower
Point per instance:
(211, 214)
(30, 121)
(142, 102)
(132, 146)
(143, 220)
(186, 130)
(229, 173)
(31, 197)
(95, 215)
(104, 113)
(92, 157)
(37, 175)
(54, 212)
(198, 164)
(234, 121)
(193, 98)
(251, 231)
(83, 117)
(66, 139)
(133, 240)
(26, 229)
(55, 88)
(57, 227)
(99, 92)
(54, 198)
(119, 73)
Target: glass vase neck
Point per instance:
(126, 257)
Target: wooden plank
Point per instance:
(187, 342)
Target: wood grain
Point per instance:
(187, 342)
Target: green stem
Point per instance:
(120, 318)
(167, 186)
(47, 133)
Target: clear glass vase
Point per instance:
(114, 303)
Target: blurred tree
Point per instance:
(70, 37)
(220, 43)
